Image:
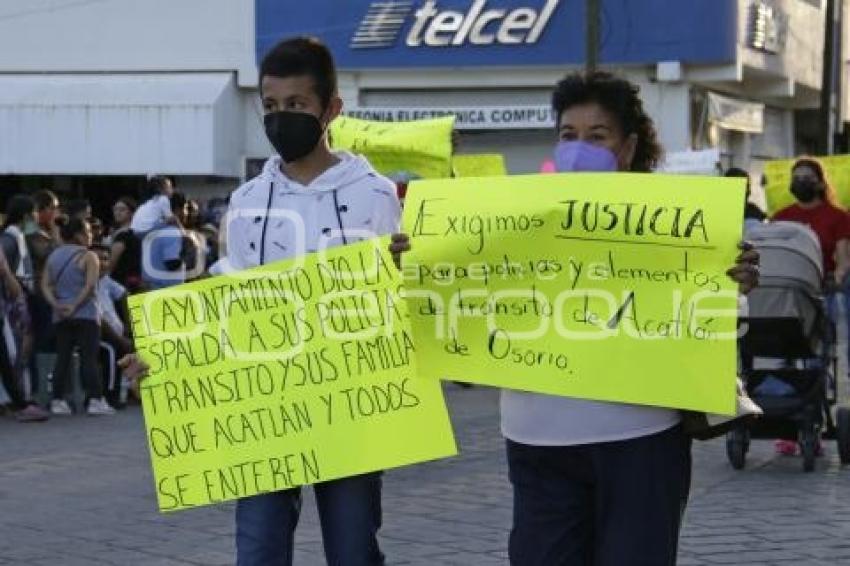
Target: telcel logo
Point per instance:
(437, 28)
(433, 27)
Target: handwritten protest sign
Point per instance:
(421, 147)
(778, 172)
(479, 165)
(292, 373)
(598, 286)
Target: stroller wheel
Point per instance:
(808, 446)
(737, 444)
(842, 422)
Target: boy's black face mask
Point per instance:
(293, 134)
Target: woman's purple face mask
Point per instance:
(591, 139)
(574, 156)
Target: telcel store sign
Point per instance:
(430, 25)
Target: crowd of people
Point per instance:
(65, 277)
(593, 482)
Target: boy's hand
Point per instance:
(135, 370)
(745, 272)
(400, 244)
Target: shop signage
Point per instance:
(767, 27)
(453, 34)
(433, 26)
(466, 118)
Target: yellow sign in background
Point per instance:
(422, 147)
(292, 373)
(598, 286)
(778, 173)
(479, 165)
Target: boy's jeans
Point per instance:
(349, 512)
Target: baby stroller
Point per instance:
(787, 351)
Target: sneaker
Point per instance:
(60, 407)
(786, 447)
(99, 406)
(32, 414)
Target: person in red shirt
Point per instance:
(817, 207)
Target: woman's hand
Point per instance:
(400, 244)
(64, 311)
(745, 272)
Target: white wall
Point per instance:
(668, 104)
(38, 36)
(802, 58)
(256, 144)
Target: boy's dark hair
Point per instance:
(299, 56)
(620, 98)
(100, 248)
(76, 206)
(44, 199)
(74, 226)
(18, 207)
(154, 186)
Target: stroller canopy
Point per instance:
(790, 256)
(789, 291)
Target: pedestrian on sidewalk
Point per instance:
(24, 409)
(125, 247)
(817, 206)
(68, 283)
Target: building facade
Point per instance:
(96, 94)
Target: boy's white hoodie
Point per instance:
(272, 217)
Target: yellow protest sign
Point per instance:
(292, 373)
(598, 286)
(422, 147)
(778, 173)
(479, 165)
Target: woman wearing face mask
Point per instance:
(817, 206)
(597, 483)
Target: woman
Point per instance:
(126, 250)
(68, 283)
(25, 411)
(19, 216)
(817, 206)
(41, 243)
(599, 483)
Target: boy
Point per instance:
(307, 198)
(164, 249)
(155, 212)
(108, 295)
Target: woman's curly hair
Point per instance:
(619, 97)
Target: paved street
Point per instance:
(79, 492)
